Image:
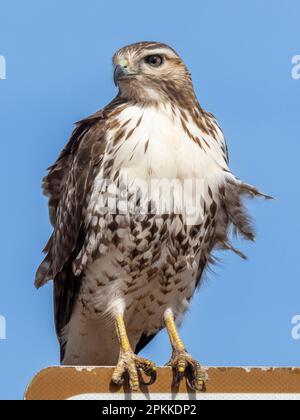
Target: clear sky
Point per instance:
(58, 70)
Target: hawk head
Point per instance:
(150, 72)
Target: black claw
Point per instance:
(175, 383)
(191, 381)
(153, 377)
(177, 377)
(191, 384)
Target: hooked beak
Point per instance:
(119, 72)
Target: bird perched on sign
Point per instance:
(139, 198)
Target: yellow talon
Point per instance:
(181, 362)
(129, 363)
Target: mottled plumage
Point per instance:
(138, 264)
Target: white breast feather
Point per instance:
(171, 153)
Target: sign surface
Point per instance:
(73, 383)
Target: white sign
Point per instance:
(203, 397)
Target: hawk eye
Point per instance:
(154, 60)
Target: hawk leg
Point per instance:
(130, 365)
(182, 363)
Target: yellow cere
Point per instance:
(123, 62)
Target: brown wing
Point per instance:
(67, 186)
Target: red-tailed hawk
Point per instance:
(139, 198)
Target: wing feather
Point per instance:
(67, 186)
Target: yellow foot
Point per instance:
(185, 366)
(130, 367)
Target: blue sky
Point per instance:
(58, 58)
